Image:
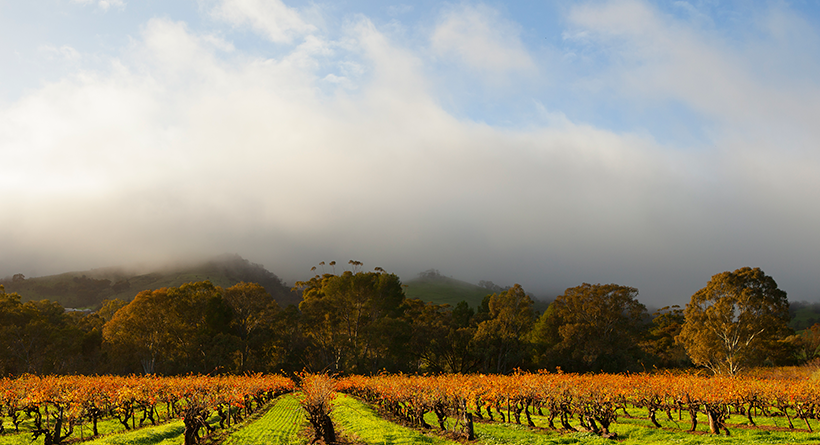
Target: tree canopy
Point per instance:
(348, 317)
(735, 321)
(594, 327)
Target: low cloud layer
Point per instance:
(346, 143)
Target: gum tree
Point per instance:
(735, 321)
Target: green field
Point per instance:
(444, 290)
(359, 422)
(638, 430)
(805, 317)
(282, 424)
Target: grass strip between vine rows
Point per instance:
(632, 432)
(105, 427)
(280, 425)
(167, 433)
(360, 422)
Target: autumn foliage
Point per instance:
(60, 404)
(317, 394)
(594, 401)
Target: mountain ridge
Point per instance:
(89, 288)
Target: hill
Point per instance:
(431, 286)
(804, 315)
(89, 288)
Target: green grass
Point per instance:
(638, 430)
(167, 434)
(805, 317)
(358, 421)
(280, 425)
(284, 423)
(444, 290)
(104, 427)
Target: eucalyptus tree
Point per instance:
(735, 321)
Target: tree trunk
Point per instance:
(468, 420)
(652, 417)
(529, 418)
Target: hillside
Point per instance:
(89, 288)
(804, 315)
(431, 286)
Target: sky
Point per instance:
(546, 143)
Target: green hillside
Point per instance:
(804, 315)
(87, 289)
(444, 290)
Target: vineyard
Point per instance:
(521, 408)
(63, 408)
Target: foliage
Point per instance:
(510, 318)
(356, 322)
(172, 328)
(806, 344)
(318, 391)
(595, 402)
(735, 321)
(41, 337)
(593, 327)
(659, 340)
(61, 404)
(351, 318)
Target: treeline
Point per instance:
(361, 322)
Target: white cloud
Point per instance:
(102, 4)
(177, 147)
(481, 39)
(65, 52)
(656, 57)
(187, 145)
(271, 18)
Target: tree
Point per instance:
(40, 337)
(502, 335)
(141, 331)
(659, 340)
(346, 316)
(735, 321)
(807, 344)
(175, 330)
(253, 310)
(595, 327)
(441, 337)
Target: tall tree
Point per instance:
(441, 337)
(735, 321)
(40, 337)
(184, 329)
(345, 316)
(659, 340)
(503, 334)
(594, 327)
(254, 310)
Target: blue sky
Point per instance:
(650, 144)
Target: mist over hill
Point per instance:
(89, 288)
